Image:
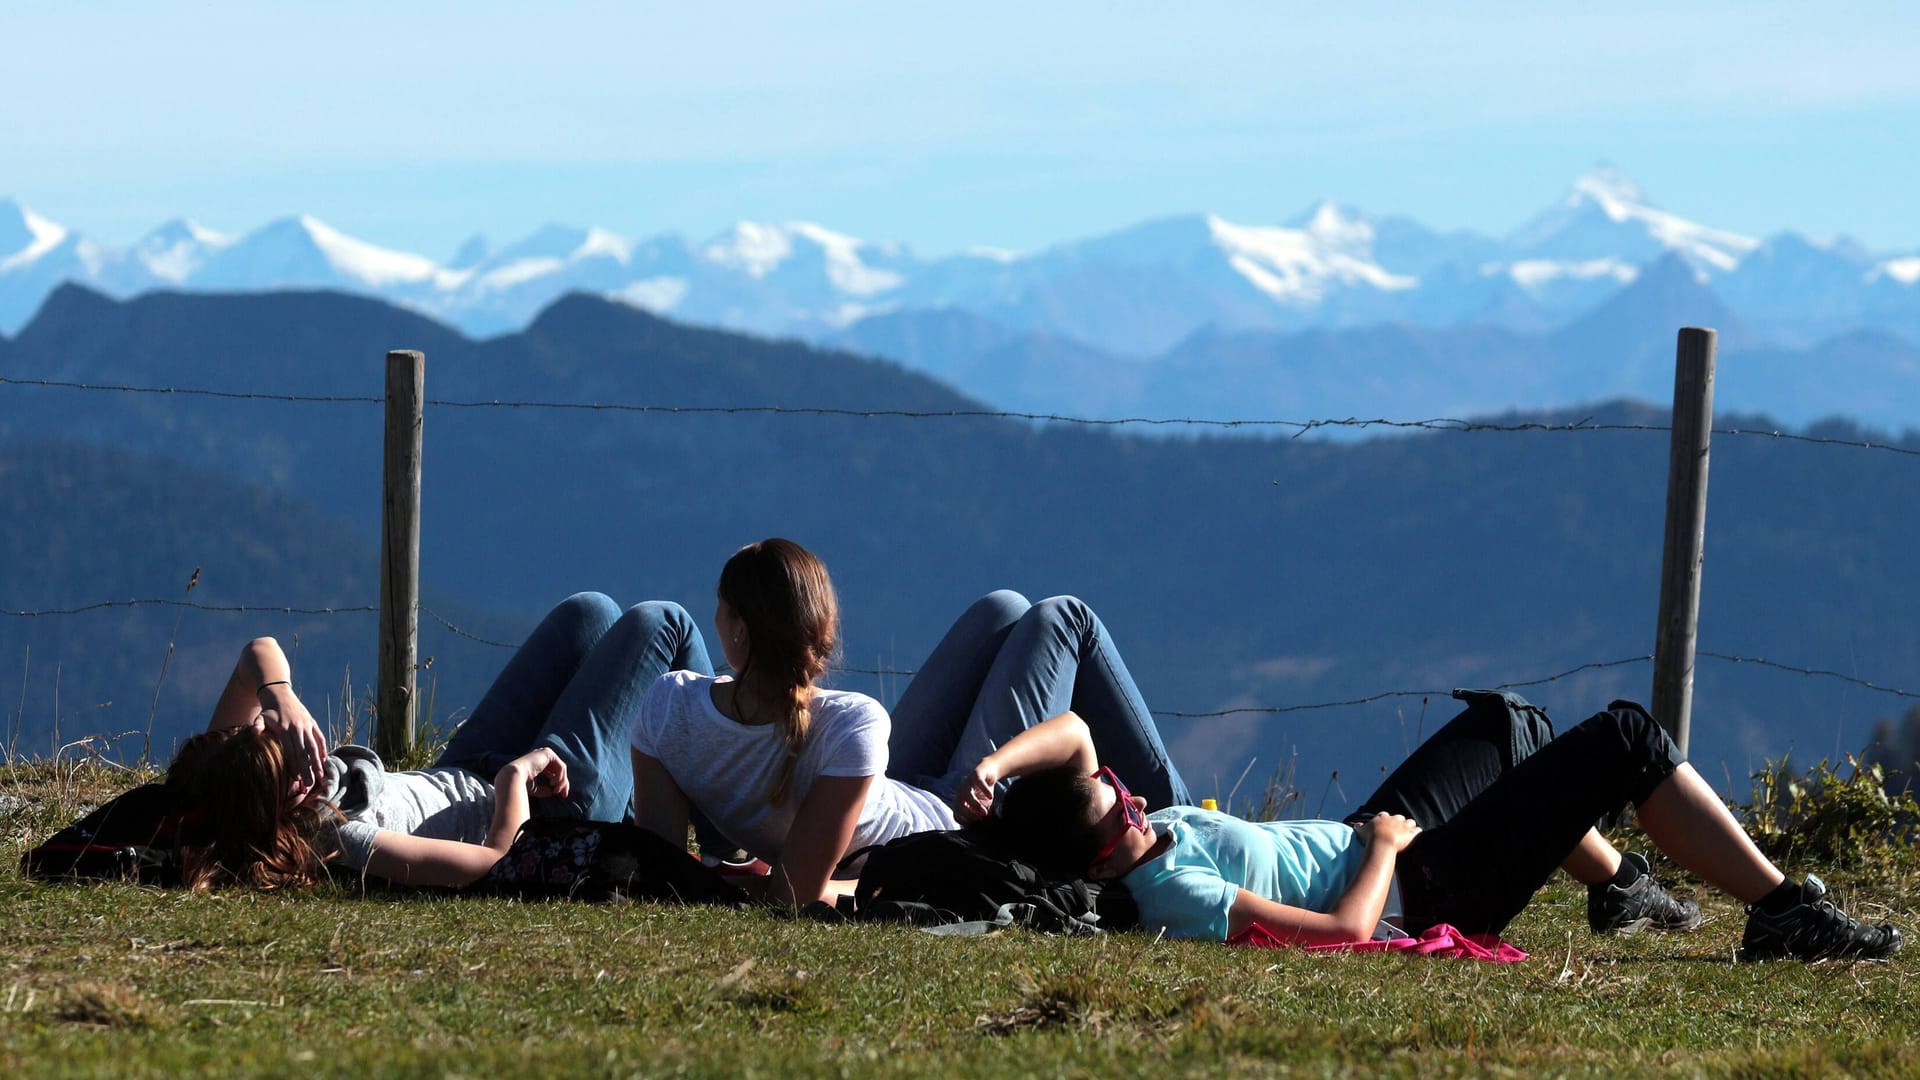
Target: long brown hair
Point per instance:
(782, 593)
(237, 777)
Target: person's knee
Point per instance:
(665, 614)
(587, 607)
(1646, 753)
(1065, 610)
(1000, 607)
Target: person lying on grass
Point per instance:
(1458, 834)
(552, 727)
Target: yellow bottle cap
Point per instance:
(1209, 804)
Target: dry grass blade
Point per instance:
(105, 1005)
(1053, 1002)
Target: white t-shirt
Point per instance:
(726, 768)
(442, 803)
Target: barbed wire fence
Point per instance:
(907, 673)
(1298, 428)
(1673, 652)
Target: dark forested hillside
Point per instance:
(1232, 571)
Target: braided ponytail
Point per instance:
(782, 593)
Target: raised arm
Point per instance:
(262, 686)
(1358, 910)
(420, 860)
(1060, 740)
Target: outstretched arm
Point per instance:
(1061, 740)
(822, 828)
(1358, 910)
(420, 860)
(262, 686)
(659, 806)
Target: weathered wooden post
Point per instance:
(1673, 648)
(400, 554)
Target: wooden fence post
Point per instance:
(1686, 534)
(400, 555)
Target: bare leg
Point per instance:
(1594, 861)
(1685, 819)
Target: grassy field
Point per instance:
(126, 981)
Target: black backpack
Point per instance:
(968, 875)
(569, 859)
(133, 837)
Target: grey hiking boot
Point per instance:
(1814, 929)
(1643, 905)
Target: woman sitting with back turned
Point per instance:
(1461, 832)
(799, 775)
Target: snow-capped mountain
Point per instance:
(306, 253)
(1605, 216)
(1137, 291)
(35, 256)
(176, 251)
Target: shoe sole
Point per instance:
(1645, 925)
(1744, 955)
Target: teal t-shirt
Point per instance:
(1188, 889)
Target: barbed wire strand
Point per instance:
(366, 609)
(254, 609)
(1299, 427)
(468, 634)
(189, 391)
(1821, 672)
(1386, 694)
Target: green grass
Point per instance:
(121, 980)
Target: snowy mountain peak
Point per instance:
(1905, 270)
(1607, 216)
(176, 249)
(187, 230)
(1339, 224)
(1328, 215)
(602, 243)
(305, 252)
(758, 250)
(361, 261)
(752, 248)
(25, 236)
(1298, 265)
(1612, 189)
(567, 242)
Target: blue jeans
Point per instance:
(575, 686)
(1005, 666)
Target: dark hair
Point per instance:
(1048, 817)
(782, 593)
(237, 777)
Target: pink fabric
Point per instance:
(1442, 941)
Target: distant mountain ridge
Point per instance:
(1135, 292)
(1257, 572)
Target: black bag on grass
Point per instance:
(135, 836)
(967, 875)
(570, 859)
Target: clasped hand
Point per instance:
(541, 770)
(1396, 831)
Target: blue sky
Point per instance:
(948, 126)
